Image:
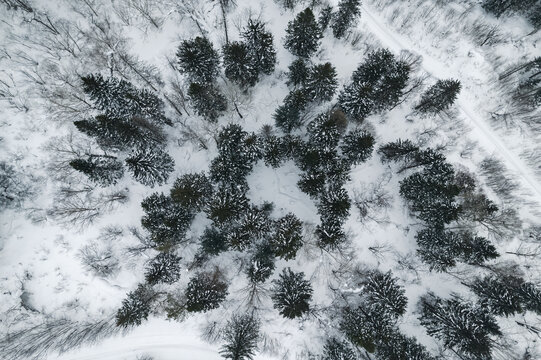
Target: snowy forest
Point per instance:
(270, 179)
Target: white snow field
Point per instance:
(43, 276)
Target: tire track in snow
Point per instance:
(433, 67)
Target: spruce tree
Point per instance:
(335, 349)
(500, 296)
(205, 291)
(192, 191)
(398, 150)
(329, 233)
(207, 100)
(238, 65)
(463, 327)
(120, 99)
(297, 74)
(383, 289)
(251, 225)
(287, 237)
(438, 248)
(213, 241)
(303, 34)
(291, 294)
(274, 151)
(376, 85)
(401, 347)
(241, 335)
(439, 96)
(531, 297)
(312, 183)
(325, 17)
(150, 167)
(334, 203)
(260, 46)
(164, 268)
(101, 169)
(325, 132)
(226, 205)
(198, 59)
(357, 146)
(166, 221)
(289, 115)
(348, 11)
(136, 307)
(262, 263)
(322, 83)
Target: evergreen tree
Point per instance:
(500, 296)
(376, 85)
(207, 100)
(238, 64)
(325, 17)
(150, 167)
(213, 241)
(439, 96)
(475, 250)
(383, 289)
(103, 170)
(297, 74)
(192, 191)
(166, 221)
(287, 237)
(291, 294)
(438, 248)
(164, 268)
(401, 347)
(199, 60)
(303, 34)
(136, 307)
(226, 205)
(335, 349)
(289, 115)
(329, 232)
(252, 224)
(260, 46)
(500, 7)
(461, 326)
(531, 297)
(118, 133)
(241, 335)
(274, 151)
(261, 263)
(334, 203)
(325, 132)
(312, 183)
(205, 292)
(398, 150)
(120, 99)
(322, 83)
(348, 11)
(357, 146)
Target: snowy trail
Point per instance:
(480, 129)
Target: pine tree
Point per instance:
(439, 96)
(287, 237)
(164, 268)
(383, 289)
(303, 34)
(205, 291)
(213, 241)
(376, 85)
(166, 221)
(291, 294)
(150, 167)
(238, 65)
(120, 99)
(357, 146)
(260, 46)
(241, 335)
(136, 307)
(101, 169)
(297, 74)
(325, 17)
(500, 296)
(438, 248)
(207, 100)
(531, 297)
(348, 11)
(322, 83)
(289, 115)
(476, 250)
(461, 326)
(192, 191)
(262, 263)
(335, 349)
(199, 60)
(401, 347)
